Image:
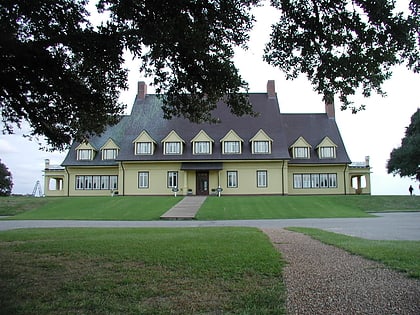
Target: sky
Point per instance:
(373, 132)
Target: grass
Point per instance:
(139, 271)
(225, 208)
(99, 208)
(403, 256)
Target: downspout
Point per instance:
(282, 179)
(123, 179)
(345, 181)
(68, 182)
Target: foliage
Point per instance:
(6, 180)
(57, 71)
(139, 271)
(399, 255)
(63, 75)
(343, 46)
(405, 160)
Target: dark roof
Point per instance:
(283, 129)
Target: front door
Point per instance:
(202, 180)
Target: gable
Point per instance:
(144, 137)
(202, 136)
(231, 136)
(301, 142)
(172, 137)
(110, 144)
(326, 142)
(85, 146)
(261, 136)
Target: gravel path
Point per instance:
(322, 279)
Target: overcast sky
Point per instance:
(373, 132)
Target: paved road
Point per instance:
(386, 226)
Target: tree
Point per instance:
(6, 182)
(63, 75)
(57, 71)
(405, 160)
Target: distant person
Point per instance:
(410, 189)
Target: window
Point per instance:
(143, 179)
(84, 154)
(143, 148)
(327, 152)
(172, 147)
(261, 179)
(109, 154)
(301, 153)
(113, 182)
(232, 179)
(96, 182)
(261, 146)
(231, 147)
(202, 147)
(104, 182)
(172, 179)
(314, 180)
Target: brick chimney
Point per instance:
(141, 90)
(271, 89)
(329, 107)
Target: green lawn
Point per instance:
(214, 208)
(399, 255)
(139, 271)
(99, 208)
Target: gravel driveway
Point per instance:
(322, 279)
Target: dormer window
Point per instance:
(172, 144)
(144, 148)
(327, 153)
(301, 149)
(144, 144)
(202, 147)
(231, 143)
(261, 143)
(109, 154)
(261, 147)
(301, 153)
(231, 147)
(85, 154)
(327, 149)
(202, 143)
(172, 147)
(109, 150)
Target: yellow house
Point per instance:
(272, 153)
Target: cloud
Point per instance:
(7, 148)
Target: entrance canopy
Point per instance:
(201, 166)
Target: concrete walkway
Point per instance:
(186, 209)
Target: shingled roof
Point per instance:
(283, 129)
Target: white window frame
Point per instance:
(301, 153)
(262, 179)
(327, 152)
(173, 147)
(109, 154)
(143, 180)
(84, 154)
(202, 147)
(143, 148)
(261, 147)
(231, 147)
(172, 179)
(232, 179)
(113, 182)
